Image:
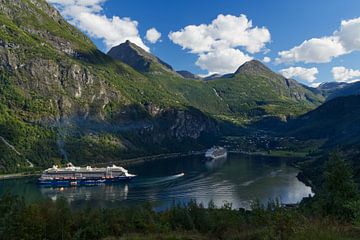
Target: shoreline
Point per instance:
(140, 160)
(18, 175)
(124, 162)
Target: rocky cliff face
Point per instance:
(189, 123)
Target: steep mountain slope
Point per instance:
(255, 91)
(336, 120)
(251, 93)
(60, 97)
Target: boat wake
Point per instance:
(160, 180)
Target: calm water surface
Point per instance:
(238, 180)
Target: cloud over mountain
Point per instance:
(218, 43)
(306, 74)
(322, 50)
(342, 74)
(87, 15)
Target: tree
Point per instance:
(339, 189)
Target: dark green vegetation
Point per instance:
(337, 120)
(61, 98)
(334, 213)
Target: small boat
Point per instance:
(77, 176)
(216, 152)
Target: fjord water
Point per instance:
(239, 179)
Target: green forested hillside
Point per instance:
(336, 120)
(60, 94)
(251, 93)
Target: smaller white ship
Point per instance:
(215, 153)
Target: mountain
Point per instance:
(336, 120)
(187, 74)
(254, 90)
(139, 59)
(254, 67)
(217, 76)
(331, 86)
(213, 76)
(333, 90)
(336, 124)
(62, 99)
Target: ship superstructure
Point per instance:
(72, 175)
(216, 152)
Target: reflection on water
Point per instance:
(110, 193)
(238, 180)
(215, 164)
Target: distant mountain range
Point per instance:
(332, 90)
(61, 98)
(187, 74)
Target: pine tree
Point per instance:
(339, 189)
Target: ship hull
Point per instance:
(82, 182)
(213, 157)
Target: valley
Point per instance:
(63, 100)
(61, 93)
(243, 125)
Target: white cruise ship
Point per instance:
(216, 152)
(73, 176)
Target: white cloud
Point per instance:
(153, 35)
(222, 60)
(194, 38)
(87, 15)
(266, 60)
(342, 74)
(217, 42)
(324, 49)
(306, 74)
(226, 31)
(349, 34)
(315, 50)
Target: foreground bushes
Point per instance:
(55, 220)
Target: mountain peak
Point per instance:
(138, 58)
(332, 85)
(254, 67)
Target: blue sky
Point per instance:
(288, 22)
